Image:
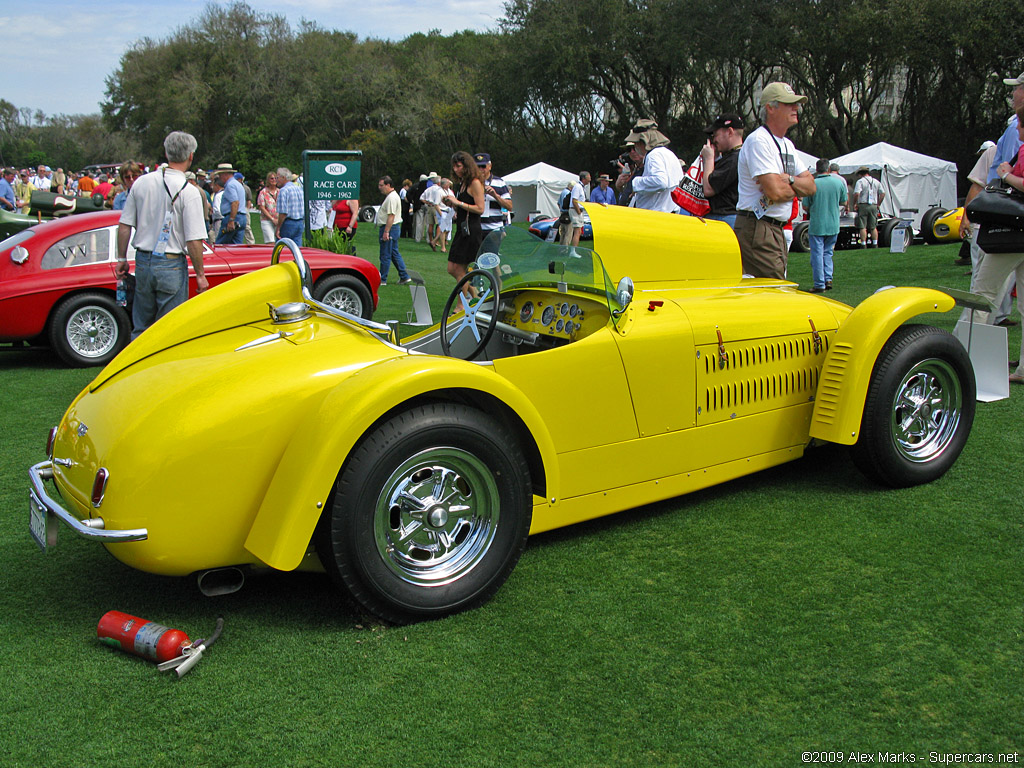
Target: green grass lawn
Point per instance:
(801, 608)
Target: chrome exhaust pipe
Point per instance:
(220, 581)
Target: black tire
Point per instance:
(919, 408)
(89, 329)
(346, 292)
(801, 238)
(366, 214)
(885, 229)
(928, 224)
(429, 515)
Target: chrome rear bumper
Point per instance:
(92, 529)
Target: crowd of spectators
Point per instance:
(753, 181)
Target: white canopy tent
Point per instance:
(909, 179)
(808, 161)
(537, 188)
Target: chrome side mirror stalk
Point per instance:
(624, 295)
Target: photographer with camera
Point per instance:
(628, 164)
(656, 169)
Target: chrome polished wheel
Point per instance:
(919, 408)
(926, 410)
(91, 331)
(346, 299)
(436, 516)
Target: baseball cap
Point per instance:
(482, 158)
(729, 120)
(782, 93)
(1014, 81)
(985, 145)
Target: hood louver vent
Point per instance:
(737, 379)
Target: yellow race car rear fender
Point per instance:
(846, 374)
(301, 487)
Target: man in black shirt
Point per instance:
(721, 182)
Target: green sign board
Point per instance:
(335, 179)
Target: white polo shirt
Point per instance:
(147, 204)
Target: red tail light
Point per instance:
(99, 486)
(50, 440)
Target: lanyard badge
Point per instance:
(165, 233)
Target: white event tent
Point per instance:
(909, 179)
(537, 188)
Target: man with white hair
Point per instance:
(167, 213)
(769, 179)
(291, 208)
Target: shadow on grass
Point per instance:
(19, 356)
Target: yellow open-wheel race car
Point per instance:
(562, 384)
(941, 225)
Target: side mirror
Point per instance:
(624, 295)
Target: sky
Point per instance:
(60, 52)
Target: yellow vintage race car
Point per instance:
(562, 384)
(941, 225)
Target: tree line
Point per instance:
(558, 80)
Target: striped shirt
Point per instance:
(290, 202)
(494, 215)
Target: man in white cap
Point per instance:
(769, 179)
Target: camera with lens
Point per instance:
(622, 161)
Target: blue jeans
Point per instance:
(161, 284)
(729, 219)
(389, 253)
(234, 236)
(292, 229)
(821, 258)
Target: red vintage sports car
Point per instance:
(57, 284)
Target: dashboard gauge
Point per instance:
(548, 315)
(526, 313)
(564, 309)
(573, 311)
(559, 324)
(569, 327)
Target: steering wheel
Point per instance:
(472, 318)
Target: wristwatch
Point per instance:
(791, 180)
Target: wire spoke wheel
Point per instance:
(91, 331)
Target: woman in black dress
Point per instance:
(468, 205)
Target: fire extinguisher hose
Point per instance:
(216, 632)
(192, 655)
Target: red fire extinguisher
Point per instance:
(140, 637)
(169, 648)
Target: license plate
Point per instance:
(41, 524)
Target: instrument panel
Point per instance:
(555, 315)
